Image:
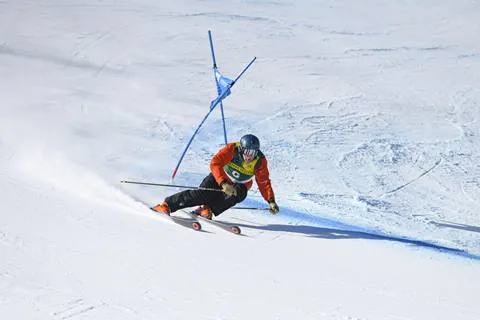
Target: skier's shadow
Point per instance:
(339, 234)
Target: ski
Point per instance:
(185, 222)
(220, 224)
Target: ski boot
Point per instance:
(162, 208)
(204, 211)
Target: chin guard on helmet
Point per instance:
(249, 154)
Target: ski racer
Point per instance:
(232, 170)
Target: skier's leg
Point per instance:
(191, 198)
(226, 202)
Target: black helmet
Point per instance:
(249, 141)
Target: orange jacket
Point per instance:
(262, 176)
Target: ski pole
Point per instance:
(250, 208)
(169, 185)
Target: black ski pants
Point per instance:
(217, 201)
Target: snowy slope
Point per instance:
(367, 112)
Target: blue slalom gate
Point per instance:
(224, 84)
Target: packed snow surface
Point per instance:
(368, 113)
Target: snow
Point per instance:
(367, 112)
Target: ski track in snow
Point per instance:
(376, 171)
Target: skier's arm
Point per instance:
(219, 160)
(262, 177)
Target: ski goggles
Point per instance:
(249, 154)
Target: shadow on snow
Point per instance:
(338, 234)
(318, 227)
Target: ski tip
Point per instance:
(196, 226)
(235, 230)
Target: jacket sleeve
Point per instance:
(262, 177)
(219, 160)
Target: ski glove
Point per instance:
(273, 207)
(229, 189)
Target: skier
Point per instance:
(232, 171)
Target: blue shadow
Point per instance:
(317, 227)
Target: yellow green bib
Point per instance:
(238, 170)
